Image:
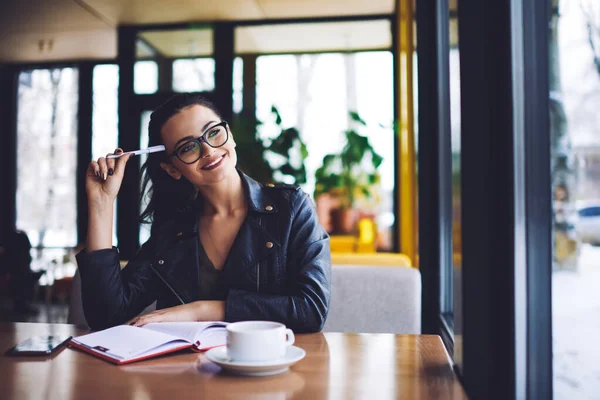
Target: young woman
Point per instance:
(222, 246)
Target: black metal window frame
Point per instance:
(505, 190)
(10, 75)
(434, 163)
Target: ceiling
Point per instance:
(51, 30)
(48, 30)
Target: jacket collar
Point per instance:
(257, 195)
(253, 237)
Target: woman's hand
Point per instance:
(103, 178)
(196, 311)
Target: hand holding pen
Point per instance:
(104, 176)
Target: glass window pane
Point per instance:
(191, 42)
(194, 75)
(575, 164)
(47, 156)
(313, 96)
(238, 85)
(453, 284)
(144, 233)
(145, 75)
(105, 116)
(347, 36)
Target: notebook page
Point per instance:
(124, 341)
(211, 338)
(162, 348)
(189, 331)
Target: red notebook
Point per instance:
(124, 344)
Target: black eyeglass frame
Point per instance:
(199, 140)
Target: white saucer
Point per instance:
(219, 356)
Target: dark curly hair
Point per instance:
(166, 195)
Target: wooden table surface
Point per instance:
(336, 366)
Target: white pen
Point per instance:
(152, 149)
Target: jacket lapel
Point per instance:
(253, 242)
(177, 259)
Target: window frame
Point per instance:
(434, 163)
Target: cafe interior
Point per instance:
(419, 128)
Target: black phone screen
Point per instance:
(39, 345)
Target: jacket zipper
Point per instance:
(257, 276)
(167, 284)
(260, 222)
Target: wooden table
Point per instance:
(336, 366)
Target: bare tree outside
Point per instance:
(46, 156)
(194, 75)
(591, 14)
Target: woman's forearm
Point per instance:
(203, 310)
(210, 310)
(100, 226)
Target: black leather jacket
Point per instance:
(278, 269)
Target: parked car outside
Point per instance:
(588, 222)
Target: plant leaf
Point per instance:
(277, 115)
(355, 117)
(303, 151)
(287, 169)
(377, 160)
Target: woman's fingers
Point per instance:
(93, 169)
(143, 320)
(121, 163)
(103, 168)
(154, 316)
(110, 164)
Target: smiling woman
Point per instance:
(222, 246)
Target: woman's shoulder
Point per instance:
(290, 198)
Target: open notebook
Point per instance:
(125, 344)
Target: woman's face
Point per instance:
(214, 164)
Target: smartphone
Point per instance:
(39, 345)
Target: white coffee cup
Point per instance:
(258, 340)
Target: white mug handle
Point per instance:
(290, 338)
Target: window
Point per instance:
(47, 162)
(47, 156)
(144, 232)
(105, 117)
(193, 68)
(454, 279)
(575, 166)
(145, 77)
(238, 85)
(194, 75)
(312, 95)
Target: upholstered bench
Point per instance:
(367, 299)
(375, 299)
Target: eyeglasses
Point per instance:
(189, 152)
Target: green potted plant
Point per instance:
(280, 159)
(348, 174)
